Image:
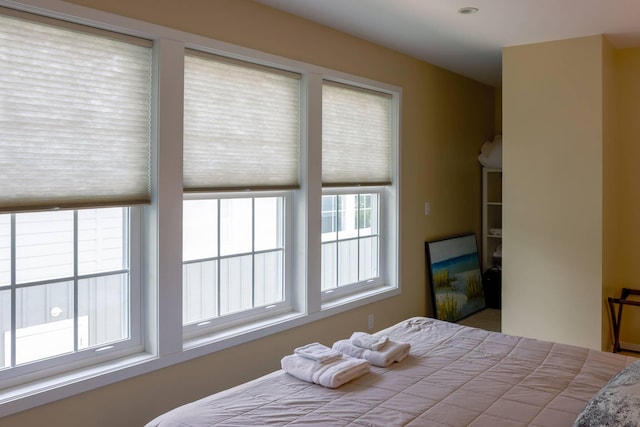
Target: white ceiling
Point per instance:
(471, 45)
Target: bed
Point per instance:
(454, 376)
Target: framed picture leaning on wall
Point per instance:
(455, 278)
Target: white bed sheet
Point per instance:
(455, 376)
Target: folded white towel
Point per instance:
(371, 342)
(318, 353)
(392, 352)
(331, 374)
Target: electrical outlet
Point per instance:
(427, 208)
(370, 320)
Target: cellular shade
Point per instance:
(74, 117)
(241, 125)
(356, 136)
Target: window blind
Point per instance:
(356, 136)
(241, 125)
(74, 117)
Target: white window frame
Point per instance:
(163, 342)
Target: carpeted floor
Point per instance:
(489, 319)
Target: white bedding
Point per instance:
(454, 376)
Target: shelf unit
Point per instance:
(491, 217)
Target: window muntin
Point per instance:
(68, 286)
(350, 239)
(248, 233)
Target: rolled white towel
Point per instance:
(392, 352)
(330, 375)
(318, 353)
(371, 342)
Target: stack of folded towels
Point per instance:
(319, 364)
(378, 350)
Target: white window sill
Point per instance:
(353, 300)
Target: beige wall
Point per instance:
(445, 120)
(625, 250)
(552, 212)
(571, 205)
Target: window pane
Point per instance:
(44, 245)
(347, 216)
(328, 203)
(269, 279)
(329, 267)
(236, 292)
(5, 329)
(101, 240)
(368, 258)
(5, 250)
(329, 218)
(347, 262)
(44, 321)
(199, 229)
(268, 223)
(368, 214)
(199, 291)
(103, 307)
(235, 226)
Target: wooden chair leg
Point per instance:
(616, 325)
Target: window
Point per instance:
(285, 202)
(75, 139)
(356, 151)
(241, 131)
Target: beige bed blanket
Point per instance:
(454, 376)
